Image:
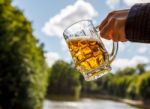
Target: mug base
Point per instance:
(97, 73)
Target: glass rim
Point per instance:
(76, 23)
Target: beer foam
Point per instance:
(82, 38)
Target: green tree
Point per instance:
(118, 85)
(64, 80)
(89, 87)
(102, 83)
(126, 71)
(132, 89)
(140, 68)
(23, 71)
(144, 86)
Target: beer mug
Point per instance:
(88, 52)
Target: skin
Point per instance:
(113, 26)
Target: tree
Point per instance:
(64, 80)
(140, 68)
(126, 71)
(89, 87)
(23, 71)
(144, 86)
(118, 85)
(132, 90)
(102, 83)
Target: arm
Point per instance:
(132, 25)
(137, 25)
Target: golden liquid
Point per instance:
(87, 53)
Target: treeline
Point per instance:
(133, 83)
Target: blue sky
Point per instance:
(51, 17)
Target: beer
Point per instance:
(87, 50)
(87, 53)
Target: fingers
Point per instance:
(111, 14)
(112, 27)
(105, 21)
(107, 31)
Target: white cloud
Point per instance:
(114, 3)
(124, 62)
(70, 14)
(142, 50)
(132, 2)
(51, 57)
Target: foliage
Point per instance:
(140, 68)
(117, 86)
(126, 71)
(144, 86)
(64, 80)
(103, 83)
(23, 72)
(5, 2)
(127, 82)
(89, 87)
(132, 90)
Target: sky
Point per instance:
(50, 17)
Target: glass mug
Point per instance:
(88, 52)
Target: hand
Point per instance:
(113, 26)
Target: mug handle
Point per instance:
(114, 50)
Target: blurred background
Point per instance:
(36, 69)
